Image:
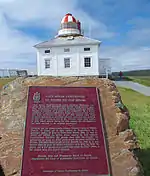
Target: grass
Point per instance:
(139, 108)
(4, 81)
(145, 80)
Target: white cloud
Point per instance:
(16, 48)
(135, 52)
(92, 27)
(140, 33)
(14, 45)
(48, 13)
(126, 58)
(140, 36)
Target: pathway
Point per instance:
(135, 86)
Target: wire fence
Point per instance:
(8, 73)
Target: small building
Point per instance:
(70, 53)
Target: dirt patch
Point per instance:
(121, 140)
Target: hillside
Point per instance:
(134, 73)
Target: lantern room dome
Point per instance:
(69, 26)
(68, 18)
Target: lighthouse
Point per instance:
(69, 53)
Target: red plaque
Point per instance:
(64, 133)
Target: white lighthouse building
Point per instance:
(70, 53)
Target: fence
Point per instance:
(13, 73)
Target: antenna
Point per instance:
(90, 31)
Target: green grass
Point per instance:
(139, 108)
(145, 80)
(4, 81)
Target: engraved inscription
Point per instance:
(62, 113)
(63, 157)
(63, 139)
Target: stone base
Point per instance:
(121, 140)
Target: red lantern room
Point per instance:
(68, 18)
(69, 26)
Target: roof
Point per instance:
(68, 18)
(65, 41)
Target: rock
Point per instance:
(123, 163)
(115, 99)
(13, 103)
(122, 122)
(10, 152)
(135, 171)
(127, 135)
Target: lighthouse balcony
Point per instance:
(70, 31)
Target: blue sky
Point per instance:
(122, 26)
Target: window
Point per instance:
(67, 62)
(86, 49)
(87, 62)
(47, 51)
(69, 25)
(47, 63)
(66, 49)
